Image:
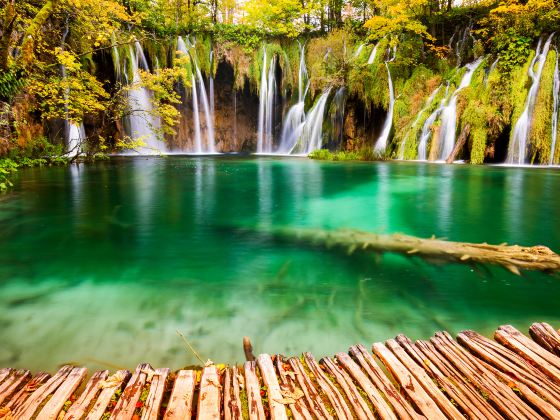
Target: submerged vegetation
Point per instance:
(100, 76)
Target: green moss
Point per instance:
(541, 125)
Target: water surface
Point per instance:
(102, 264)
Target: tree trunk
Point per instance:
(32, 32)
(460, 144)
(10, 16)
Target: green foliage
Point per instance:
(541, 125)
(7, 168)
(246, 36)
(10, 82)
(365, 153)
(513, 49)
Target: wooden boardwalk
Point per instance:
(512, 377)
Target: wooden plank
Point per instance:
(275, 398)
(180, 404)
(332, 393)
(236, 408)
(209, 395)
(469, 402)
(368, 364)
(15, 380)
(372, 391)
(108, 388)
(359, 406)
(546, 336)
(53, 407)
(227, 395)
(416, 391)
(19, 398)
(454, 370)
(32, 404)
(253, 389)
(4, 373)
(516, 368)
(314, 400)
(528, 390)
(528, 349)
(500, 394)
(290, 389)
(152, 406)
(126, 405)
(81, 406)
(420, 374)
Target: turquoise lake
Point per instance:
(102, 264)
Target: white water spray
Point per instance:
(204, 137)
(371, 58)
(381, 143)
(311, 137)
(449, 113)
(427, 127)
(140, 123)
(294, 120)
(266, 105)
(518, 144)
(427, 105)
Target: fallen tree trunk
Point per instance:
(511, 257)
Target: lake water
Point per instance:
(102, 264)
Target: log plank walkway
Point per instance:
(513, 377)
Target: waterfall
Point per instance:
(449, 113)
(311, 137)
(359, 50)
(381, 143)
(266, 105)
(294, 120)
(427, 127)
(490, 70)
(337, 115)
(140, 123)
(371, 58)
(74, 134)
(196, 118)
(418, 116)
(555, 110)
(200, 101)
(518, 143)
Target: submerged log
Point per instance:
(511, 257)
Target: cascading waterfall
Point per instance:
(359, 50)
(490, 70)
(140, 123)
(371, 58)
(427, 127)
(73, 134)
(311, 137)
(381, 143)
(266, 105)
(427, 105)
(294, 120)
(449, 113)
(555, 109)
(200, 101)
(518, 143)
(337, 115)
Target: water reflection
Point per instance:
(160, 249)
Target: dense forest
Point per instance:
(392, 79)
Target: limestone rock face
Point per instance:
(235, 117)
